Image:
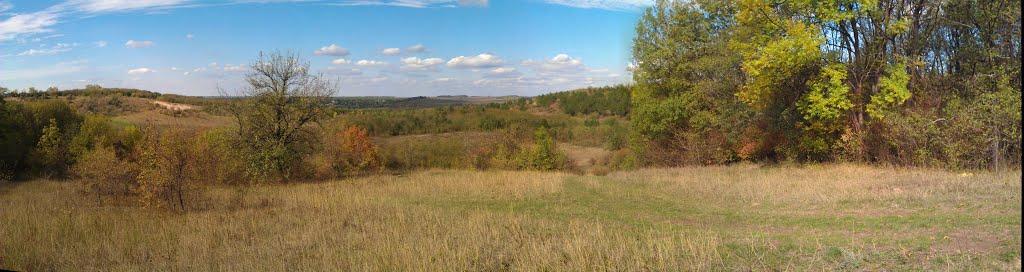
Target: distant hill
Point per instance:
(369, 102)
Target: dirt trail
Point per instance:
(175, 106)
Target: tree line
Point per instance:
(926, 83)
(609, 100)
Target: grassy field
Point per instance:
(741, 217)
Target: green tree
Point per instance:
(51, 151)
(543, 155)
(686, 78)
(281, 99)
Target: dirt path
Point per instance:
(175, 106)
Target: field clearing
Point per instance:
(740, 217)
(188, 119)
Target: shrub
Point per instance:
(101, 131)
(615, 139)
(543, 155)
(169, 169)
(106, 175)
(51, 153)
(22, 124)
(218, 158)
(351, 152)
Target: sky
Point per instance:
(372, 48)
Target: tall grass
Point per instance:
(742, 217)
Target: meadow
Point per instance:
(736, 217)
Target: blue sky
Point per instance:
(394, 48)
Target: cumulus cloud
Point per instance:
(29, 23)
(138, 44)
(419, 48)
(370, 63)
(139, 71)
(331, 50)
(340, 61)
(417, 64)
(484, 60)
(503, 72)
(558, 63)
(391, 51)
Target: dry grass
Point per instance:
(742, 217)
(584, 157)
(164, 117)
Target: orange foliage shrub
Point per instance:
(351, 152)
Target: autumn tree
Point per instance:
(864, 80)
(281, 98)
(169, 170)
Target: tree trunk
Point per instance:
(995, 150)
(181, 200)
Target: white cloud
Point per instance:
(619, 5)
(139, 71)
(56, 49)
(478, 3)
(5, 6)
(234, 68)
(341, 61)
(100, 43)
(503, 72)
(189, 36)
(417, 64)
(331, 50)
(98, 6)
(138, 44)
(413, 3)
(30, 23)
(558, 63)
(406, 3)
(370, 63)
(391, 51)
(484, 60)
(344, 71)
(443, 79)
(419, 48)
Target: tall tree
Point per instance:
(282, 98)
